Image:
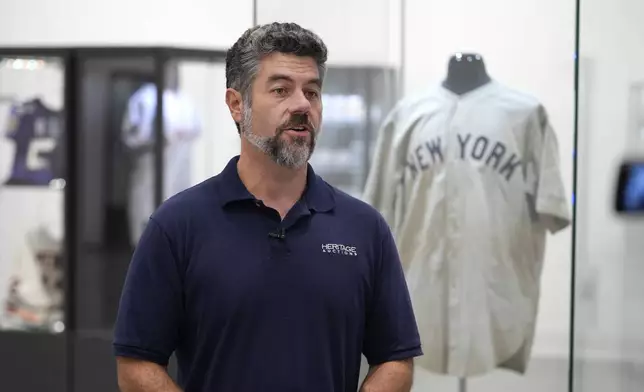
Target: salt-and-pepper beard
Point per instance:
(294, 154)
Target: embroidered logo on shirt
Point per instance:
(340, 249)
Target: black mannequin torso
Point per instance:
(465, 72)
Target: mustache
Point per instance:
(298, 120)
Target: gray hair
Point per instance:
(244, 57)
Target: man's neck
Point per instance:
(277, 186)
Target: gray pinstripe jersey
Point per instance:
(469, 185)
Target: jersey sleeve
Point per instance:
(391, 331)
(151, 306)
(137, 125)
(386, 171)
(13, 122)
(551, 201)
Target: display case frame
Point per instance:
(57, 360)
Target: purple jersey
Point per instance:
(37, 133)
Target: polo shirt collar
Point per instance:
(318, 195)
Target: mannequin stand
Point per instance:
(462, 385)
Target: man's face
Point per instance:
(284, 117)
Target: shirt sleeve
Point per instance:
(138, 120)
(13, 122)
(552, 203)
(385, 172)
(391, 329)
(151, 306)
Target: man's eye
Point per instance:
(279, 91)
(312, 94)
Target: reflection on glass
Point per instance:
(32, 174)
(201, 136)
(133, 178)
(109, 143)
(117, 176)
(340, 149)
(180, 128)
(355, 100)
(609, 297)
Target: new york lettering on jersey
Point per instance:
(493, 153)
(36, 132)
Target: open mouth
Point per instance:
(302, 129)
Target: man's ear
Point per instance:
(235, 104)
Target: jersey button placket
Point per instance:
(456, 321)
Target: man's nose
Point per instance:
(300, 103)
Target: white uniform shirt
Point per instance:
(469, 185)
(181, 128)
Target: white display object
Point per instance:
(27, 210)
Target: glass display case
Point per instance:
(32, 174)
(608, 354)
(144, 133)
(527, 50)
(32, 216)
(81, 170)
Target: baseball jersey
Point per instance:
(181, 128)
(469, 185)
(36, 132)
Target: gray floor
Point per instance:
(544, 375)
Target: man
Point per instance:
(264, 277)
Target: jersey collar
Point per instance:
(480, 91)
(318, 195)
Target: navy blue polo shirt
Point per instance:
(250, 302)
